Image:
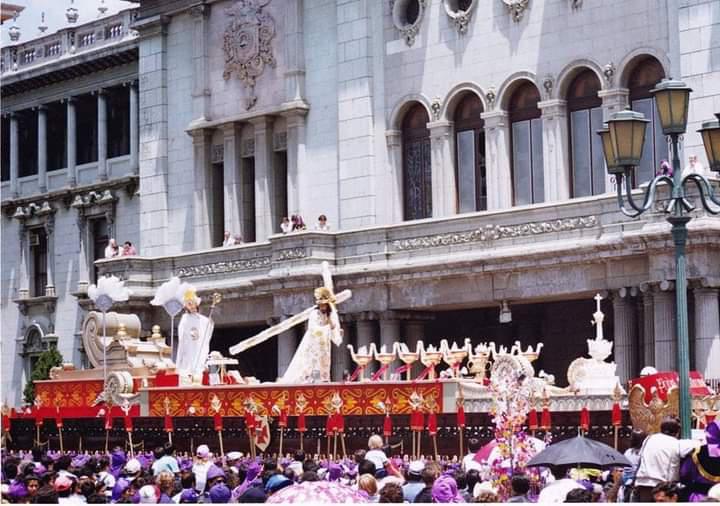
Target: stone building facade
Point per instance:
(451, 145)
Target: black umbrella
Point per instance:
(581, 452)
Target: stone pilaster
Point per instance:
(264, 179)
(134, 128)
(389, 334)
(707, 324)
(497, 150)
(50, 256)
(200, 72)
(394, 147)
(23, 272)
(102, 170)
(648, 327)
(83, 257)
(14, 155)
(42, 149)
(444, 183)
(294, 55)
(71, 146)
(664, 326)
(202, 194)
(555, 150)
(232, 177)
(625, 338)
(295, 125)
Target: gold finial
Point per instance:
(336, 402)
(617, 392)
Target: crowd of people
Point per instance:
(113, 250)
(296, 224)
(164, 477)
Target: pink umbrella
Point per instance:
(483, 453)
(317, 492)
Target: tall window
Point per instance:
(646, 74)
(5, 147)
(527, 145)
(28, 143)
(86, 129)
(470, 155)
(248, 198)
(38, 255)
(586, 118)
(57, 130)
(417, 174)
(217, 196)
(281, 193)
(100, 239)
(118, 125)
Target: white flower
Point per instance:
(172, 289)
(110, 286)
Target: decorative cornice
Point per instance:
(290, 254)
(248, 264)
(495, 232)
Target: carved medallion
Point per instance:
(516, 8)
(247, 43)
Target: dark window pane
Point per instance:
(38, 252)
(598, 158)
(522, 165)
(466, 171)
(538, 169)
(417, 182)
(480, 175)
(56, 139)
(28, 143)
(86, 131)
(248, 193)
(5, 147)
(580, 137)
(118, 115)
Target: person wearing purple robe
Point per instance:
(700, 470)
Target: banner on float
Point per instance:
(664, 381)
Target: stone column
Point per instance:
(14, 155)
(389, 335)
(202, 198)
(664, 326)
(444, 181)
(134, 124)
(295, 124)
(23, 271)
(341, 361)
(707, 324)
(394, 147)
(83, 258)
(625, 337)
(497, 150)
(294, 55)
(648, 327)
(231, 178)
(366, 332)
(414, 333)
(264, 179)
(555, 150)
(42, 149)
(50, 257)
(613, 100)
(287, 344)
(102, 173)
(71, 144)
(201, 90)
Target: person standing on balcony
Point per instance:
(228, 239)
(322, 224)
(285, 225)
(195, 331)
(112, 250)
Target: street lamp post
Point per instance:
(622, 146)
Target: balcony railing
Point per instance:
(68, 42)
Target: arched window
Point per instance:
(417, 175)
(527, 145)
(586, 118)
(470, 154)
(646, 74)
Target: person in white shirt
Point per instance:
(660, 458)
(558, 489)
(228, 239)
(112, 250)
(468, 461)
(383, 467)
(201, 466)
(285, 225)
(322, 224)
(693, 167)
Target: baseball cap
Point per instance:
(133, 466)
(215, 472)
(149, 494)
(416, 467)
(202, 451)
(62, 482)
(233, 456)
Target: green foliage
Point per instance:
(46, 361)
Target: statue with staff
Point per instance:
(311, 361)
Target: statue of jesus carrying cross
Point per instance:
(311, 361)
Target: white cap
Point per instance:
(148, 494)
(133, 466)
(202, 451)
(234, 456)
(484, 486)
(416, 466)
(648, 371)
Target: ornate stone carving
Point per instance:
(247, 264)
(495, 232)
(291, 254)
(609, 73)
(548, 84)
(576, 4)
(516, 8)
(460, 18)
(490, 96)
(435, 108)
(247, 43)
(217, 154)
(408, 27)
(247, 148)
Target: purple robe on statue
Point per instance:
(700, 470)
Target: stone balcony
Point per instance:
(31, 64)
(531, 252)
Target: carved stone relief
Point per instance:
(460, 12)
(247, 43)
(517, 8)
(407, 16)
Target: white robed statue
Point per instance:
(311, 361)
(195, 332)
